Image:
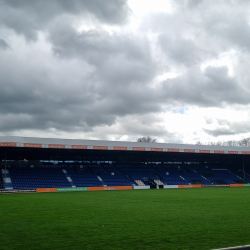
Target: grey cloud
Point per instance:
(199, 31)
(98, 47)
(96, 79)
(47, 102)
(241, 69)
(230, 28)
(82, 98)
(182, 51)
(241, 126)
(193, 3)
(219, 132)
(144, 124)
(81, 92)
(113, 11)
(213, 87)
(3, 44)
(181, 40)
(225, 23)
(232, 128)
(29, 17)
(208, 120)
(123, 65)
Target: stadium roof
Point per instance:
(49, 143)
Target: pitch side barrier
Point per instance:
(110, 188)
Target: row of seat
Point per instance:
(1, 181)
(38, 177)
(119, 176)
(156, 172)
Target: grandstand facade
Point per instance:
(40, 163)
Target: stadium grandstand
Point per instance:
(28, 163)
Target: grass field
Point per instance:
(205, 218)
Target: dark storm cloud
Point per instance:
(28, 17)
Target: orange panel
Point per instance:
(95, 188)
(189, 150)
(123, 187)
(101, 147)
(7, 144)
(233, 152)
(173, 150)
(79, 147)
(56, 146)
(139, 149)
(32, 145)
(236, 185)
(189, 186)
(156, 149)
(45, 190)
(204, 151)
(219, 151)
(246, 152)
(120, 148)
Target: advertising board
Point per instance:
(45, 190)
(215, 185)
(189, 186)
(12, 191)
(72, 189)
(109, 188)
(170, 186)
(141, 187)
(236, 185)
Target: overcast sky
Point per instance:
(178, 71)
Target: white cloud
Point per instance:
(143, 7)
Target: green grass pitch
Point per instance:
(204, 218)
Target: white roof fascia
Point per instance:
(20, 141)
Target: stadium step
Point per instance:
(237, 175)
(7, 179)
(2, 186)
(101, 180)
(68, 178)
(184, 179)
(205, 178)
